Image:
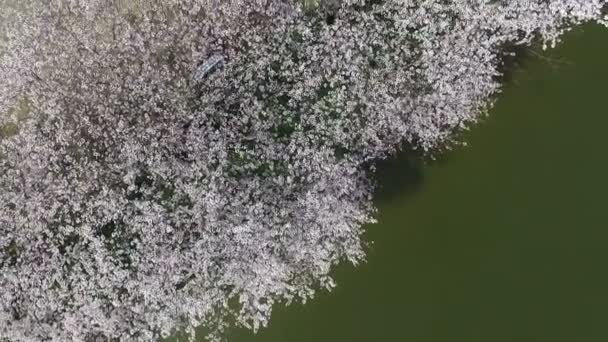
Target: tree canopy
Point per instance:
(169, 164)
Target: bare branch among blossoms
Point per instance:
(206, 67)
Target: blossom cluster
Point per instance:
(170, 164)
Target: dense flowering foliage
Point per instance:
(165, 165)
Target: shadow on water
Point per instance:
(401, 175)
(512, 58)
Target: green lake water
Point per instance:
(503, 240)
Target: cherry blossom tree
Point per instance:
(165, 165)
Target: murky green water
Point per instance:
(505, 240)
